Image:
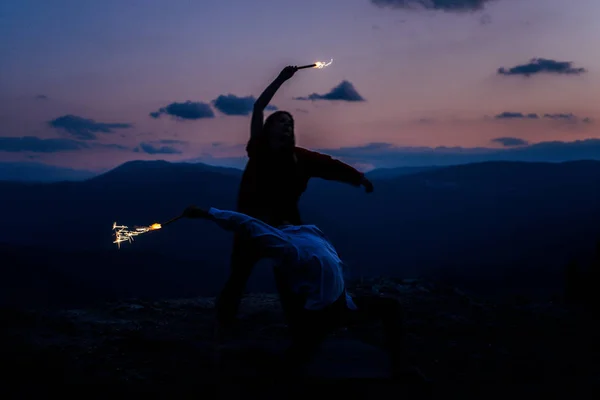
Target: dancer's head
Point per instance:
(279, 131)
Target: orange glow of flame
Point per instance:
(320, 64)
(155, 226)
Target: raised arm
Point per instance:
(256, 125)
(326, 167)
(270, 239)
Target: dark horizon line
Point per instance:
(433, 166)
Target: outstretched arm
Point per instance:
(270, 239)
(326, 167)
(256, 125)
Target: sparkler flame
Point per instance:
(320, 64)
(124, 234)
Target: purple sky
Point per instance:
(89, 73)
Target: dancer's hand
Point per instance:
(287, 72)
(367, 184)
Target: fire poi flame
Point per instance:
(124, 234)
(320, 64)
(317, 64)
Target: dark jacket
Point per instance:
(270, 188)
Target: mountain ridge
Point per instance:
(497, 227)
(35, 172)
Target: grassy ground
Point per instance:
(454, 339)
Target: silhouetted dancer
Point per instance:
(311, 271)
(276, 175)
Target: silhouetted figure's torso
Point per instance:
(272, 185)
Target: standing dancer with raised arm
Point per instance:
(276, 175)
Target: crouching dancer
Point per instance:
(313, 279)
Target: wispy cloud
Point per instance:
(542, 66)
(84, 128)
(515, 115)
(190, 110)
(231, 104)
(165, 146)
(37, 145)
(345, 91)
(457, 6)
(566, 117)
(510, 141)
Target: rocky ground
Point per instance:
(453, 338)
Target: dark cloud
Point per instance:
(510, 141)
(165, 146)
(345, 91)
(83, 128)
(187, 110)
(111, 146)
(37, 145)
(153, 149)
(172, 141)
(41, 97)
(542, 65)
(567, 117)
(515, 115)
(222, 146)
(231, 104)
(386, 155)
(443, 5)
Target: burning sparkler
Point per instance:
(318, 64)
(124, 234)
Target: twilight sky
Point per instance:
(92, 84)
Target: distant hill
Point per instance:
(160, 171)
(38, 172)
(494, 226)
(136, 169)
(44, 173)
(386, 173)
